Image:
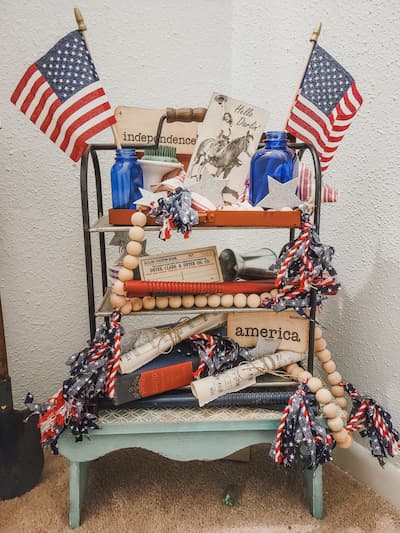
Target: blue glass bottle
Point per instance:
(126, 178)
(275, 160)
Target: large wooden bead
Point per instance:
(253, 301)
(334, 379)
(293, 369)
(346, 443)
(265, 296)
(274, 293)
(200, 300)
(134, 248)
(337, 391)
(124, 274)
(239, 300)
(130, 261)
(213, 300)
(314, 384)
(329, 367)
(137, 304)
(335, 424)
(341, 401)
(117, 301)
(118, 288)
(330, 410)
(303, 375)
(126, 308)
(188, 301)
(175, 301)
(317, 333)
(136, 234)
(138, 219)
(320, 344)
(340, 436)
(162, 302)
(149, 302)
(227, 300)
(324, 355)
(323, 396)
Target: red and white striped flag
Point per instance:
(61, 93)
(327, 101)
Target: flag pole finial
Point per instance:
(316, 33)
(83, 29)
(79, 19)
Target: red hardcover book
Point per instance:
(166, 372)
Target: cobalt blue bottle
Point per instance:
(126, 178)
(275, 160)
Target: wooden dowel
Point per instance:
(313, 41)
(83, 28)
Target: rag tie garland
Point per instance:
(300, 431)
(304, 264)
(92, 375)
(175, 212)
(371, 420)
(216, 353)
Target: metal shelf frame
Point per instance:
(99, 224)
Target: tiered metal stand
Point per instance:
(180, 433)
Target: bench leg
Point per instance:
(314, 487)
(77, 486)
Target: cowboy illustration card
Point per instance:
(227, 139)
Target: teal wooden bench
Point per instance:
(183, 434)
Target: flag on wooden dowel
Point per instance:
(61, 93)
(325, 105)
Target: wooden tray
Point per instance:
(235, 218)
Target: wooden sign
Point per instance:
(285, 326)
(138, 125)
(200, 264)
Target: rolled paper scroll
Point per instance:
(162, 343)
(241, 376)
(151, 288)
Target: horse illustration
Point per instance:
(221, 155)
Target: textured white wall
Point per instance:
(176, 53)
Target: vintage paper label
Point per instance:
(199, 264)
(286, 326)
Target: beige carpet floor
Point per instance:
(140, 492)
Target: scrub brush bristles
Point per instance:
(162, 153)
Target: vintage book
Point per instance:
(227, 139)
(184, 398)
(166, 372)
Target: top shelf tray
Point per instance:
(226, 219)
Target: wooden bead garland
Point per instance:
(331, 410)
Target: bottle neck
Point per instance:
(276, 140)
(125, 154)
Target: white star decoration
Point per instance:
(263, 348)
(209, 187)
(280, 195)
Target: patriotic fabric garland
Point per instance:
(300, 431)
(371, 420)
(303, 264)
(92, 375)
(175, 212)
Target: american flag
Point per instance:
(61, 94)
(327, 101)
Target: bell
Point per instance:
(256, 264)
